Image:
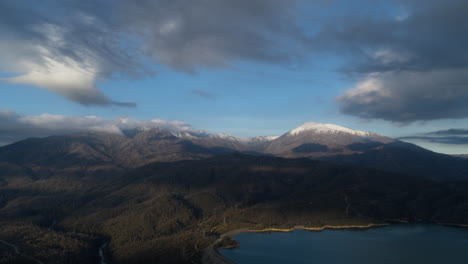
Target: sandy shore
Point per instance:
(321, 228)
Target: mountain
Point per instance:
(407, 158)
(171, 212)
(316, 139)
(162, 196)
(95, 150)
(90, 153)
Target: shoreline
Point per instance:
(299, 227)
(211, 255)
(451, 224)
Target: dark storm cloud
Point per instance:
(66, 46)
(413, 65)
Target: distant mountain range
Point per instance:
(163, 196)
(42, 156)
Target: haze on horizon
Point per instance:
(248, 68)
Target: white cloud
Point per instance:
(73, 77)
(366, 90)
(15, 127)
(67, 77)
(387, 56)
(65, 56)
(66, 46)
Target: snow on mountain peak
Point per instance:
(327, 129)
(263, 138)
(244, 139)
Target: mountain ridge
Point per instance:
(134, 148)
(153, 196)
(169, 212)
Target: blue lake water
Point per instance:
(396, 244)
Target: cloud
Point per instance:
(17, 127)
(409, 57)
(204, 94)
(451, 132)
(186, 35)
(59, 47)
(412, 64)
(442, 140)
(454, 140)
(450, 136)
(406, 96)
(67, 78)
(67, 46)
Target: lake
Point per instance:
(395, 244)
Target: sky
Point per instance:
(241, 67)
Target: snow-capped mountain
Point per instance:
(309, 139)
(328, 129)
(317, 139)
(139, 146)
(262, 139)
